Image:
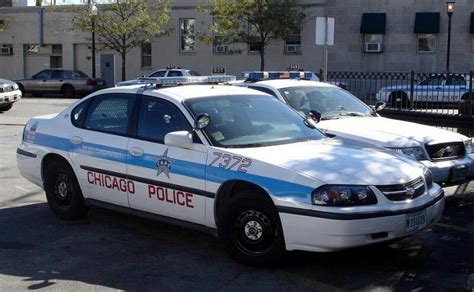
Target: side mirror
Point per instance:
(315, 115)
(181, 139)
(201, 121)
(380, 105)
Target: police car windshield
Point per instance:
(252, 121)
(329, 101)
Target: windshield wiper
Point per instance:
(352, 114)
(329, 118)
(247, 145)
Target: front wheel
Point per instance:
(68, 91)
(252, 230)
(63, 191)
(5, 108)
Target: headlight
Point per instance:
(428, 178)
(415, 153)
(469, 147)
(343, 195)
(1, 89)
(15, 86)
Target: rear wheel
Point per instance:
(398, 100)
(68, 91)
(63, 191)
(5, 108)
(252, 230)
(22, 89)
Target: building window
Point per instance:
(32, 49)
(373, 43)
(219, 47)
(254, 45)
(57, 49)
(187, 37)
(146, 55)
(293, 43)
(56, 61)
(426, 43)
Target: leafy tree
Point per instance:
(254, 22)
(124, 25)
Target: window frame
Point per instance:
(141, 99)
(418, 36)
(298, 51)
(181, 35)
(128, 133)
(264, 90)
(143, 55)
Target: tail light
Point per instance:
(91, 82)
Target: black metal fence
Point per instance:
(440, 99)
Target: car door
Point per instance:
(430, 90)
(39, 81)
(56, 80)
(169, 181)
(98, 146)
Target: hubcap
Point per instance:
(63, 190)
(253, 232)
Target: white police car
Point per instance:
(229, 160)
(449, 156)
(438, 88)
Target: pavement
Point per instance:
(112, 251)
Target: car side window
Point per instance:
(432, 81)
(78, 113)
(456, 81)
(174, 73)
(263, 89)
(158, 117)
(110, 113)
(43, 74)
(57, 74)
(159, 74)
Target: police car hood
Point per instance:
(385, 132)
(332, 161)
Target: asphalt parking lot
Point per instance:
(107, 250)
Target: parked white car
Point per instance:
(227, 160)
(448, 155)
(438, 88)
(9, 94)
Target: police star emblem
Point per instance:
(163, 164)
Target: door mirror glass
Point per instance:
(201, 121)
(315, 115)
(181, 139)
(380, 105)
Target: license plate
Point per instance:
(458, 173)
(415, 221)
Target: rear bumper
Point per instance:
(314, 233)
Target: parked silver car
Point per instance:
(9, 94)
(62, 81)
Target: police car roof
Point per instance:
(284, 83)
(201, 91)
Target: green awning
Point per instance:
(373, 23)
(471, 30)
(427, 22)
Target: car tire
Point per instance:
(5, 108)
(251, 229)
(68, 91)
(22, 89)
(63, 192)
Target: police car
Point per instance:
(449, 156)
(229, 160)
(9, 94)
(437, 88)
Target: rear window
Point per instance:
(78, 74)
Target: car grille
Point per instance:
(449, 150)
(404, 192)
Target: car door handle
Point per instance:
(135, 151)
(76, 140)
(439, 88)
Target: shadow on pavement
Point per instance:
(125, 252)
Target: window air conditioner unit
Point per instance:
(373, 47)
(221, 49)
(292, 48)
(6, 51)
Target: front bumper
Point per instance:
(310, 232)
(442, 170)
(9, 97)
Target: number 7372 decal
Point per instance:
(227, 161)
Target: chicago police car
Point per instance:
(9, 94)
(229, 160)
(449, 156)
(438, 88)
